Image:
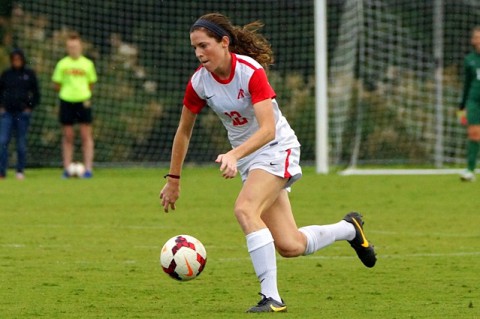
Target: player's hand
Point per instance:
(462, 117)
(169, 195)
(228, 165)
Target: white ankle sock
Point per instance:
(319, 237)
(262, 251)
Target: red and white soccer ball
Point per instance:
(183, 257)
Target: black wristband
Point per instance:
(172, 176)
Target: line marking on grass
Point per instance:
(380, 256)
(423, 234)
(399, 256)
(85, 226)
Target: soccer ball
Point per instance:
(183, 257)
(76, 169)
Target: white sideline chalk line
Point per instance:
(380, 256)
(93, 226)
(399, 171)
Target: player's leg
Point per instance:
(259, 191)
(23, 122)
(473, 146)
(66, 117)
(85, 120)
(5, 136)
(87, 145)
(291, 241)
(473, 142)
(68, 139)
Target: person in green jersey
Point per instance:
(74, 77)
(471, 103)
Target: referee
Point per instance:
(74, 77)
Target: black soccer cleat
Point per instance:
(363, 248)
(268, 305)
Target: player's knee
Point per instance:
(86, 139)
(69, 139)
(474, 133)
(243, 212)
(290, 252)
(474, 137)
(289, 248)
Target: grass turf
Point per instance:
(90, 248)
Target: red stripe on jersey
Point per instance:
(286, 174)
(192, 101)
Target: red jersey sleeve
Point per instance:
(192, 101)
(259, 87)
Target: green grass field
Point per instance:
(90, 248)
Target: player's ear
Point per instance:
(225, 42)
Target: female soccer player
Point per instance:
(265, 151)
(471, 101)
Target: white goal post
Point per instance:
(321, 98)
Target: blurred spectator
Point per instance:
(19, 94)
(74, 77)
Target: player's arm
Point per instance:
(57, 77)
(171, 191)
(182, 140)
(57, 86)
(467, 80)
(265, 133)
(92, 77)
(261, 95)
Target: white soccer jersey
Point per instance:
(232, 100)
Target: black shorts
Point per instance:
(77, 112)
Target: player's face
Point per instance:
(74, 48)
(476, 40)
(213, 55)
(17, 61)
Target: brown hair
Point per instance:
(73, 36)
(243, 40)
(476, 29)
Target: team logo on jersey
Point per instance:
(241, 94)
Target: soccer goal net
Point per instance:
(395, 81)
(144, 59)
(394, 75)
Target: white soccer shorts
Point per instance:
(274, 160)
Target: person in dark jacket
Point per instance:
(19, 94)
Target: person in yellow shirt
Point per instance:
(74, 77)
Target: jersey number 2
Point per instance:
(237, 118)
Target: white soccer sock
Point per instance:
(262, 251)
(319, 237)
